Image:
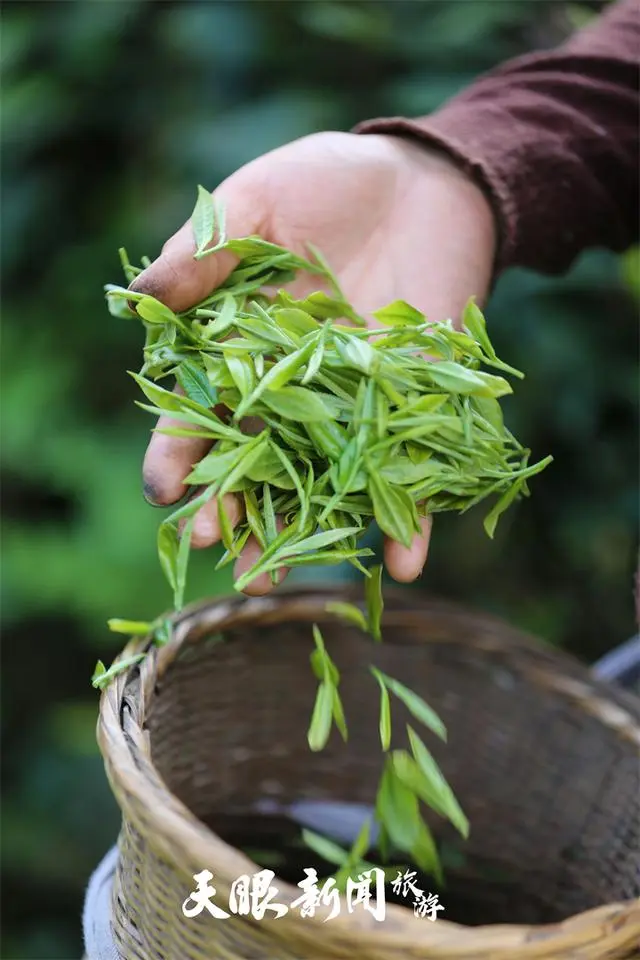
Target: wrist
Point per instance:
(466, 195)
(451, 224)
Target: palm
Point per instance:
(392, 220)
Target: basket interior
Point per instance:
(550, 791)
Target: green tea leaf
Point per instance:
(98, 672)
(254, 518)
(393, 509)
(134, 628)
(507, 498)
(153, 311)
(326, 849)
(101, 677)
(296, 403)
(385, 715)
(315, 361)
(323, 667)
(219, 321)
(348, 612)
(317, 541)
(242, 374)
(362, 842)
(186, 432)
(399, 314)
(214, 466)
(459, 379)
(357, 353)
(375, 604)
(295, 321)
(425, 853)
(320, 726)
(226, 528)
(203, 219)
(247, 455)
(278, 376)
(195, 384)
(270, 527)
(168, 544)
(436, 784)
(323, 307)
(192, 506)
(338, 715)
(182, 562)
(415, 704)
(397, 810)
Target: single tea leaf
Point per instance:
(375, 603)
(320, 726)
(415, 704)
(203, 219)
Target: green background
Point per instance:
(112, 112)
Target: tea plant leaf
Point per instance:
(459, 379)
(275, 378)
(317, 541)
(102, 677)
(507, 498)
(203, 220)
(357, 353)
(220, 321)
(195, 383)
(348, 612)
(375, 603)
(134, 628)
(399, 314)
(437, 783)
(324, 848)
(415, 704)
(320, 726)
(385, 715)
(270, 527)
(182, 561)
(338, 715)
(296, 403)
(393, 509)
(254, 518)
(168, 544)
(241, 370)
(153, 311)
(246, 456)
(397, 810)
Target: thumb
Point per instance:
(179, 281)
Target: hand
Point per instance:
(393, 219)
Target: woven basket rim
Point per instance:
(124, 744)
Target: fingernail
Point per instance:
(149, 494)
(132, 303)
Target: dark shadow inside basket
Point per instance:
(550, 791)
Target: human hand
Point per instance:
(393, 219)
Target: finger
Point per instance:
(263, 583)
(206, 527)
(169, 460)
(405, 564)
(175, 277)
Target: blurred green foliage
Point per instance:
(112, 112)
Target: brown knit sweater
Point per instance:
(552, 138)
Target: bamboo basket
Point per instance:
(543, 758)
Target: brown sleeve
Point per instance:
(553, 139)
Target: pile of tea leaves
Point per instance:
(357, 425)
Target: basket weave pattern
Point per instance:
(543, 759)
